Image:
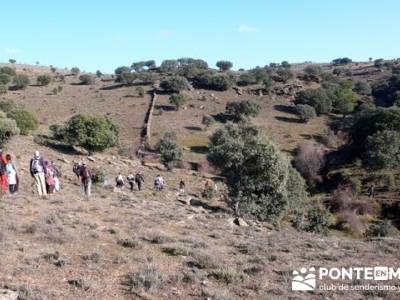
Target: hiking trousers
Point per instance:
(87, 187)
(40, 183)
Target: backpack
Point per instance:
(85, 173)
(157, 181)
(36, 166)
(138, 178)
(76, 168)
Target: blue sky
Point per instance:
(106, 34)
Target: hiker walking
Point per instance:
(50, 177)
(37, 169)
(371, 190)
(86, 179)
(159, 183)
(3, 175)
(77, 170)
(119, 180)
(181, 187)
(56, 176)
(12, 177)
(139, 179)
(131, 180)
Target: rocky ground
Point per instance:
(152, 245)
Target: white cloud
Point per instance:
(245, 28)
(12, 50)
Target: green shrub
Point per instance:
(86, 79)
(44, 79)
(75, 71)
(242, 110)
(7, 105)
(8, 70)
(284, 74)
(8, 128)
(208, 193)
(3, 89)
(256, 172)
(313, 70)
(146, 278)
(207, 121)
(175, 84)
(58, 131)
(127, 77)
(317, 219)
(379, 228)
(305, 112)
(91, 132)
(178, 100)
(383, 150)
(341, 61)
(20, 81)
(99, 73)
(99, 175)
(316, 98)
(169, 66)
(224, 65)
(140, 91)
(26, 121)
(5, 79)
(168, 148)
(362, 88)
(212, 81)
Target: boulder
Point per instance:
(8, 295)
(80, 150)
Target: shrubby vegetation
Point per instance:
(175, 84)
(8, 70)
(305, 112)
(5, 79)
(86, 79)
(213, 81)
(169, 149)
(8, 128)
(75, 71)
(90, 131)
(316, 98)
(21, 81)
(242, 110)
(43, 80)
(178, 100)
(341, 61)
(25, 121)
(257, 173)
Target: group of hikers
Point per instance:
(46, 176)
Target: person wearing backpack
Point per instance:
(131, 180)
(86, 179)
(3, 174)
(159, 183)
(119, 181)
(38, 169)
(50, 175)
(139, 179)
(12, 177)
(77, 170)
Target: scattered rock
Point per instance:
(238, 222)
(8, 295)
(66, 161)
(91, 158)
(80, 150)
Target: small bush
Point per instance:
(316, 98)
(178, 100)
(140, 91)
(86, 79)
(318, 219)
(99, 73)
(5, 79)
(75, 71)
(7, 105)
(129, 243)
(146, 278)
(379, 228)
(208, 193)
(21, 81)
(3, 89)
(207, 121)
(305, 112)
(175, 84)
(242, 110)
(362, 88)
(91, 132)
(8, 70)
(44, 79)
(168, 148)
(228, 276)
(26, 121)
(57, 131)
(99, 175)
(309, 162)
(212, 81)
(8, 128)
